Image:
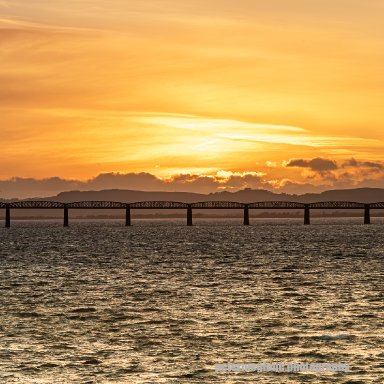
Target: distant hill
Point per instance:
(363, 195)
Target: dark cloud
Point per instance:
(366, 164)
(144, 181)
(318, 164)
(295, 188)
(193, 183)
(28, 187)
(244, 181)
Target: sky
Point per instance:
(285, 95)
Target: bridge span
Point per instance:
(189, 207)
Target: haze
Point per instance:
(285, 95)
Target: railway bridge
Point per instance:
(189, 207)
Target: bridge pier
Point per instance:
(7, 216)
(189, 216)
(367, 214)
(246, 215)
(66, 216)
(128, 217)
(307, 215)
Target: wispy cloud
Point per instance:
(303, 140)
(165, 86)
(253, 132)
(212, 125)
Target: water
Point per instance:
(160, 302)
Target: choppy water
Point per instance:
(160, 302)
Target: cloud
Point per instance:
(192, 183)
(296, 188)
(18, 187)
(222, 180)
(138, 181)
(239, 181)
(363, 164)
(29, 187)
(318, 164)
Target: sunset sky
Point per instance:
(198, 95)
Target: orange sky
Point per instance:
(169, 87)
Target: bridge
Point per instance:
(189, 207)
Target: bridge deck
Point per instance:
(266, 205)
(40, 204)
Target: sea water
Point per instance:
(160, 302)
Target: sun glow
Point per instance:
(169, 87)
